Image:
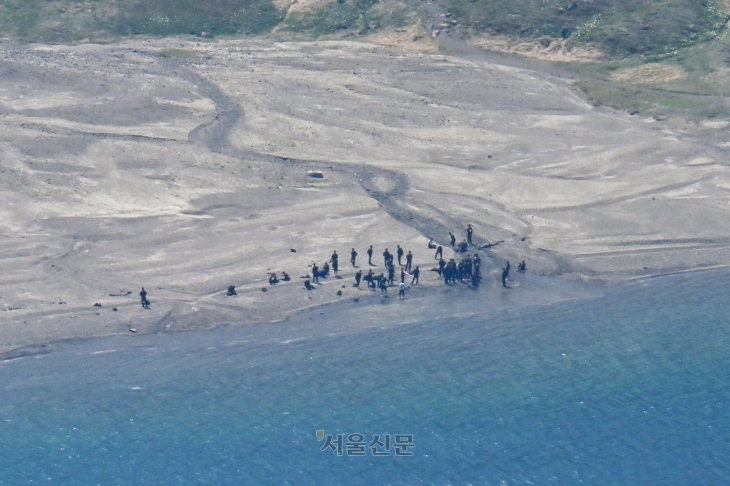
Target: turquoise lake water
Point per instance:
(631, 387)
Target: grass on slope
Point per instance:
(618, 27)
(691, 83)
(72, 20)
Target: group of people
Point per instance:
(274, 279)
(324, 271)
(384, 281)
(521, 267)
(466, 269)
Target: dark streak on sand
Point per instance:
(428, 219)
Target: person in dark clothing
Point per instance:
(453, 271)
(353, 255)
(358, 276)
(335, 259)
(383, 285)
(315, 273)
(442, 264)
(507, 268)
(370, 279)
(448, 272)
(463, 246)
(143, 296)
(522, 266)
(386, 257)
(285, 276)
(391, 274)
(416, 273)
(505, 272)
(439, 252)
(453, 238)
(467, 267)
(402, 274)
(370, 255)
(469, 233)
(273, 279)
(231, 290)
(399, 252)
(409, 261)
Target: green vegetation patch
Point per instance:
(619, 27)
(214, 17)
(73, 20)
(337, 16)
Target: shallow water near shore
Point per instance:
(628, 387)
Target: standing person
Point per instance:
(143, 296)
(506, 269)
(442, 264)
(402, 290)
(353, 255)
(383, 285)
(416, 273)
(370, 255)
(386, 256)
(391, 274)
(315, 273)
(402, 274)
(453, 238)
(409, 261)
(451, 269)
(335, 259)
(469, 233)
(505, 272)
(439, 252)
(400, 254)
(358, 276)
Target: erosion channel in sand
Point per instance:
(182, 166)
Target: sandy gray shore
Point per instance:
(121, 168)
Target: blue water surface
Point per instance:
(632, 387)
